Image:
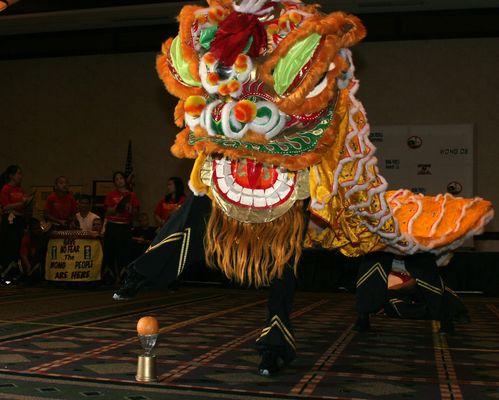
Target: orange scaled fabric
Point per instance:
(437, 221)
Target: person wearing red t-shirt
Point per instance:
(172, 201)
(121, 207)
(14, 204)
(61, 207)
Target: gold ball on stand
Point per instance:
(147, 329)
(147, 326)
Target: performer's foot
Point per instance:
(124, 293)
(269, 364)
(362, 324)
(130, 287)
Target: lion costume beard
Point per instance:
(254, 254)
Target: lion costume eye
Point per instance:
(180, 65)
(293, 65)
(304, 67)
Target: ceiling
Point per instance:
(37, 28)
(38, 6)
(29, 16)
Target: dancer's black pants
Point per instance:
(11, 235)
(277, 335)
(117, 247)
(430, 299)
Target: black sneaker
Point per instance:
(130, 287)
(127, 291)
(124, 293)
(362, 324)
(269, 364)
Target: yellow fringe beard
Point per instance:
(254, 254)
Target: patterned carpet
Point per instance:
(67, 343)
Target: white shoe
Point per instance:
(118, 297)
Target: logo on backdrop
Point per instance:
(424, 169)
(454, 151)
(454, 187)
(414, 142)
(392, 164)
(421, 190)
(376, 137)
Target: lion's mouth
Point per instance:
(248, 183)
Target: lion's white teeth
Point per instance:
(282, 178)
(271, 200)
(223, 185)
(259, 202)
(220, 170)
(246, 200)
(258, 198)
(227, 169)
(283, 191)
(234, 196)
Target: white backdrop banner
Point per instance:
(428, 159)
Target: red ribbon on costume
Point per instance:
(233, 35)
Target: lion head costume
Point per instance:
(268, 111)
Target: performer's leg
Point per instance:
(123, 243)
(406, 305)
(457, 310)
(371, 286)
(164, 266)
(178, 246)
(276, 340)
(424, 269)
(109, 254)
(12, 234)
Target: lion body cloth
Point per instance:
(269, 113)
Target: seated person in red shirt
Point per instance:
(14, 204)
(61, 207)
(172, 201)
(142, 236)
(121, 206)
(33, 249)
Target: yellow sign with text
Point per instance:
(73, 260)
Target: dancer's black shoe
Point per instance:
(269, 364)
(130, 287)
(362, 324)
(124, 293)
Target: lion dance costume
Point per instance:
(268, 112)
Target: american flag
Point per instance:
(129, 172)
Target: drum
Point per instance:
(73, 256)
